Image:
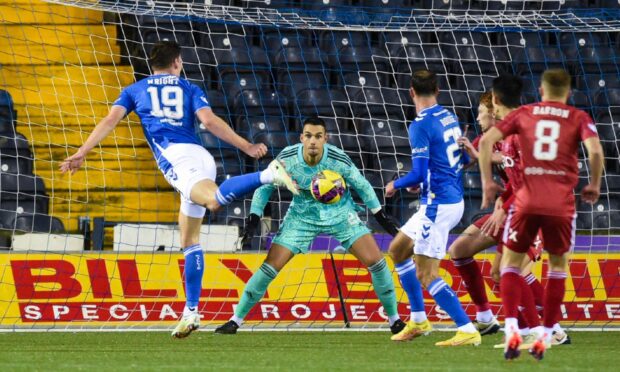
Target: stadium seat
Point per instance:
(275, 141)
(233, 84)
(472, 184)
(8, 115)
(277, 42)
(38, 223)
(15, 165)
(376, 102)
(522, 39)
(608, 131)
(614, 207)
(291, 82)
(412, 57)
(233, 214)
(392, 42)
(592, 60)
(611, 4)
(594, 82)
(217, 101)
(20, 184)
(402, 206)
(223, 151)
(592, 217)
(12, 208)
(393, 166)
(330, 103)
(250, 126)
(536, 60)
(491, 6)
(474, 83)
(357, 58)
(228, 166)
(580, 99)
(258, 103)
(354, 146)
(608, 98)
(446, 4)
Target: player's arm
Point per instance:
(101, 131)
(489, 187)
(223, 131)
(420, 144)
(354, 177)
(591, 192)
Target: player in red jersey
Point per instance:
(487, 231)
(549, 133)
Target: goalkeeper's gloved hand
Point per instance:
(252, 224)
(388, 225)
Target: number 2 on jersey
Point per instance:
(451, 135)
(171, 99)
(546, 144)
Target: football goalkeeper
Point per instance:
(307, 218)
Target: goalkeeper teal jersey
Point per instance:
(304, 206)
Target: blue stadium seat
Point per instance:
(384, 136)
(472, 184)
(411, 58)
(392, 42)
(358, 58)
(15, 165)
(614, 207)
(38, 223)
(330, 103)
(596, 81)
(353, 145)
(593, 60)
(563, 4)
(447, 4)
(376, 102)
(608, 130)
(8, 115)
(291, 82)
(536, 60)
(580, 99)
(269, 4)
(593, 217)
(233, 214)
(608, 98)
(258, 103)
(522, 39)
(250, 126)
(474, 83)
(218, 104)
(233, 84)
(611, 4)
(14, 145)
(273, 42)
(491, 6)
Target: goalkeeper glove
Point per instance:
(252, 223)
(388, 225)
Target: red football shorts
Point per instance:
(536, 247)
(521, 229)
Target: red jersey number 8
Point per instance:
(546, 145)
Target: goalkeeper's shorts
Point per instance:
(296, 234)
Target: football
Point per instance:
(327, 187)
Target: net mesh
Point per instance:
(265, 66)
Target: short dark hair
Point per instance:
(314, 120)
(424, 83)
(556, 82)
(507, 88)
(164, 52)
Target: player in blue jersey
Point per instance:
(306, 218)
(168, 106)
(437, 164)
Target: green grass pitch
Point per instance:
(299, 351)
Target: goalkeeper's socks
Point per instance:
(446, 298)
(194, 269)
(384, 287)
(410, 283)
(237, 187)
(255, 289)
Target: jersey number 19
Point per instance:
(171, 100)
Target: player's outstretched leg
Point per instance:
(237, 187)
(194, 270)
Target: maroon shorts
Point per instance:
(521, 230)
(535, 249)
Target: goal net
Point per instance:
(99, 249)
